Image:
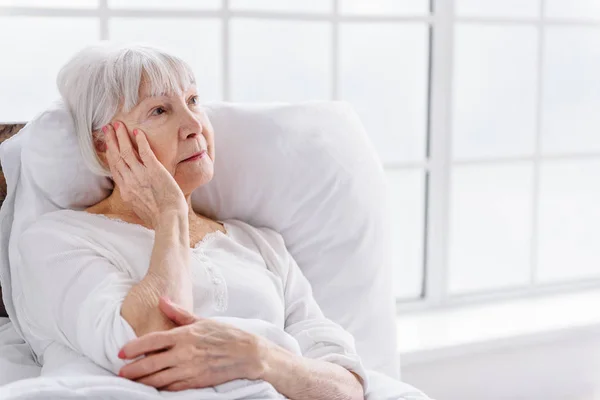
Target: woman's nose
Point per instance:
(190, 128)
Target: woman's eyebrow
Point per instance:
(147, 98)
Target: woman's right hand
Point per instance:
(143, 181)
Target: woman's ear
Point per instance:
(99, 141)
(100, 145)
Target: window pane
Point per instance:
(569, 220)
(383, 73)
(494, 91)
(51, 3)
(162, 4)
(384, 7)
(498, 8)
(278, 5)
(571, 103)
(292, 65)
(37, 49)
(205, 56)
(490, 226)
(406, 204)
(584, 9)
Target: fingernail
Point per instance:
(135, 132)
(104, 129)
(121, 354)
(116, 125)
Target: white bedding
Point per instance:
(16, 361)
(95, 387)
(20, 380)
(330, 216)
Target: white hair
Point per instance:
(102, 79)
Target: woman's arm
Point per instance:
(168, 275)
(156, 198)
(77, 295)
(329, 366)
(221, 353)
(301, 378)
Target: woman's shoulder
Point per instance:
(62, 218)
(259, 235)
(60, 225)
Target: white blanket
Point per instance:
(81, 387)
(16, 361)
(20, 376)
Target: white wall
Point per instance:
(563, 369)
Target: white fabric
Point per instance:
(307, 171)
(83, 265)
(44, 172)
(73, 386)
(20, 379)
(96, 387)
(310, 172)
(16, 362)
(334, 197)
(20, 376)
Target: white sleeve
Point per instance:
(74, 294)
(319, 337)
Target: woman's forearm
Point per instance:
(168, 275)
(300, 378)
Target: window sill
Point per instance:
(432, 335)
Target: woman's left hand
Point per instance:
(198, 353)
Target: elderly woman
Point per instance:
(148, 287)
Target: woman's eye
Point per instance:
(158, 111)
(193, 100)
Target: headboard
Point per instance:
(6, 131)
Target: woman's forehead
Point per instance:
(147, 90)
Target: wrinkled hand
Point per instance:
(198, 353)
(144, 182)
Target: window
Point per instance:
(525, 101)
(485, 113)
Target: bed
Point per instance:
(16, 361)
(326, 124)
(20, 379)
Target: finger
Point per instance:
(150, 342)
(163, 378)
(112, 154)
(112, 145)
(144, 150)
(177, 386)
(175, 313)
(148, 365)
(126, 150)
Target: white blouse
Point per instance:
(80, 266)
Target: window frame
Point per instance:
(440, 164)
(437, 163)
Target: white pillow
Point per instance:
(307, 170)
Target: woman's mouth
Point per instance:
(196, 156)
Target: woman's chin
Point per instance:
(191, 175)
(191, 183)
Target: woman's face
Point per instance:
(176, 128)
